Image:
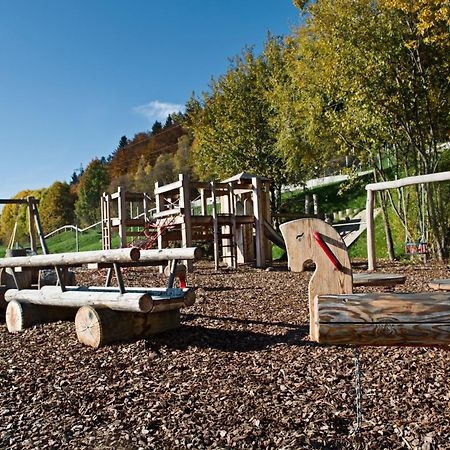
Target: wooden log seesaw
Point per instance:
(102, 314)
(338, 316)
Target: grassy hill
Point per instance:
(332, 198)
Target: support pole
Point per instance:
(371, 257)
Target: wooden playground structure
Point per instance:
(234, 215)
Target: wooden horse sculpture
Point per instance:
(337, 316)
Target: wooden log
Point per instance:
(440, 285)
(75, 297)
(98, 327)
(121, 255)
(378, 279)
(20, 316)
(382, 319)
(168, 254)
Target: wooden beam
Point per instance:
(408, 181)
(382, 319)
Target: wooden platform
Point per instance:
(378, 279)
(440, 285)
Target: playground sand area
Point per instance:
(239, 373)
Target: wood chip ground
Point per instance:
(239, 373)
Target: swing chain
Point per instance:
(357, 355)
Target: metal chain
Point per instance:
(357, 354)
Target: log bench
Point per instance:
(103, 314)
(338, 316)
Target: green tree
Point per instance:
(56, 208)
(235, 125)
(93, 183)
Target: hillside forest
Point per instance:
(365, 80)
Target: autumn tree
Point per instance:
(56, 208)
(93, 183)
(13, 214)
(371, 83)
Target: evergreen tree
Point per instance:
(156, 128)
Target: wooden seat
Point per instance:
(378, 279)
(440, 285)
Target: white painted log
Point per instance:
(75, 297)
(20, 316)
(98, 327)
(122, 255)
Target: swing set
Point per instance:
(420, 247)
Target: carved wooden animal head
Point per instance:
(317, 241)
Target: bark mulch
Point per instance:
(239, 373)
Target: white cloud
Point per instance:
(156, 110)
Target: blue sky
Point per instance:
(76, 75)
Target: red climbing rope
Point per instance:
(323, 245)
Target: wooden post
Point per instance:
(122, 212)
(371, 256)
(316, 204)
(259, 222)
(215, 225)
(98, 327)
(307, 203)
(186, 226)
(204, 203)
(31, 229)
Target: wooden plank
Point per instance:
(440, 285)
(421, 334)
(378, 279)
(168, 212)
(382, 319)
(175, 186)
